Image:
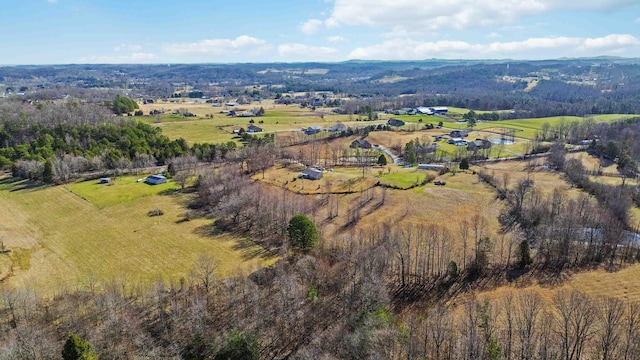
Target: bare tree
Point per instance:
(575, 323)
(529, 305)
(204, 271)
(611, 312)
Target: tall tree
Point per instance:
(303, 234)
(76, 348)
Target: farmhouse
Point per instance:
(360, 143)
(395, 122)
(339, 127)
(311, 174)
(459, 133)
(155, 179)
(313, 130)
(254, 129)
(478, 144)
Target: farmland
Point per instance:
(399, 238)
(68, 237)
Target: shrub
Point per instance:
(156, 212)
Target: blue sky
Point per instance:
(200, 31)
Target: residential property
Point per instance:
(311, 174)
(395, 122)
(459, 133)
(457, 141)
(313, 130)
(254, 129)
(478, 144)
(423, 110)
(361, 144)
(155, 179)
(339, 127)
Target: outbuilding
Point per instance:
(155, 179)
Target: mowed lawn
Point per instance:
(61, 240)
(120, 190)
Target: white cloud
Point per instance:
(336, 39)
(217, 46)
(414, 15)
(493, 35)
(128, 47)
(134, 58)
(311, 27)
(638, 20)
(299, 51)
(331, 23)
(52, 1)
(532, 48)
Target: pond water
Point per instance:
(501, 141)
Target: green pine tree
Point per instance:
(77, 349)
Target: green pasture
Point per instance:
(59, 239)
(119, 190)
(404, 178)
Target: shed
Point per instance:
(155, 179)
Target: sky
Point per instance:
(241, 31)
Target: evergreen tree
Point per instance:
(524, 254)
(302, 233)
(240, 346)
(464, 164)
(47, 173)
(75, 348)
(382, 160)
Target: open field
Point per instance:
(59, 239)
(119, 190)
(219, 128)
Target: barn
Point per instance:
(155, 179)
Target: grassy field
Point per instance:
(210, 125)
(119, 190)
(59, 239)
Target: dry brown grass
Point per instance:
(58, 239)
(622, 284)
(399, 138)
(516, 171)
